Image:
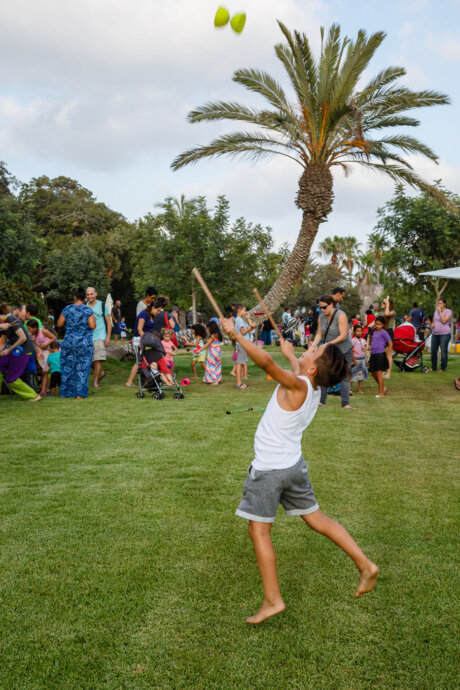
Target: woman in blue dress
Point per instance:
(77, 346)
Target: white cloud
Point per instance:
(101, 82)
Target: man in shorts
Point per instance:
(101, 334)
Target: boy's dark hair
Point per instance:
(238, 307)
(151, 291)
(341, 290)
(415, 305)
(54, 345)
(32, 323)
(80, 294)
(332, 367)
(380, 319)
(356, 326)
(200, 330)
(214, 329)
(32, 309)
(327, 298)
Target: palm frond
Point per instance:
(261, 82)
(358, 57)
(403, 174)
(376, 122)
(382, 79)
(249, 144)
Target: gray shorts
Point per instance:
(264, 489)
(241, 355)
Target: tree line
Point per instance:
(55, 236)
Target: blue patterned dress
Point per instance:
(76, 351)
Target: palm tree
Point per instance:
(330, 122)
(350, 253)
(331, 247)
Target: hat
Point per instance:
(175, 308)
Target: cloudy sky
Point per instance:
(98, 90)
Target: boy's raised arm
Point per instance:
(263, 359)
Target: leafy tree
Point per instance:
(21, 246)
(233, 258)
(66, 214)
(7, 181)
(331, 122)
(320, 279)
(418, 235)
(67, 270)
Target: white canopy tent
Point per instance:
(446, 273)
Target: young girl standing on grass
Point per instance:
(378, 362)
(200, 334)
(213, 370)
(359, 372)
(166, 341)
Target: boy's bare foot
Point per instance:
(367, 579)
(266, 611)
(39, 397)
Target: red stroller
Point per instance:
(408, 351)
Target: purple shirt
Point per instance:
(379, 340)
(440, 328)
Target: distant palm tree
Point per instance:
(331, 247)
(329, 123)
(350, 253)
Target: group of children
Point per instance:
(373, 354)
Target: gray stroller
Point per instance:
(148, 350)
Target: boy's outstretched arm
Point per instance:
(288, 379)
(287, 349)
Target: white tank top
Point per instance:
(277, 443)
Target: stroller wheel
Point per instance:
(158, 395)
(140, 395)
(178, 396)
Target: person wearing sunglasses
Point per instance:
(333, 328)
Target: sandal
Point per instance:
(242, 387)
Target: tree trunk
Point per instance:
(315, 198)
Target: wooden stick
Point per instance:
(267, 313)
(207, 292)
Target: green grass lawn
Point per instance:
(123, 565)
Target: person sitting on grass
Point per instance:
(278, 473)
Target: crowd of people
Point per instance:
(31, 350)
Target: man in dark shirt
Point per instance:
(416, 316)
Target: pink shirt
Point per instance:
(168, 346)
(358, 347)
(440, 328)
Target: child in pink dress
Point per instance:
(42, 339)
(169, 346)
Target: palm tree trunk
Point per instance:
(315, 198)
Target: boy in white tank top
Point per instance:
(279, 474)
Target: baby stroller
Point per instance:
(148, 350)
(408, 351)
